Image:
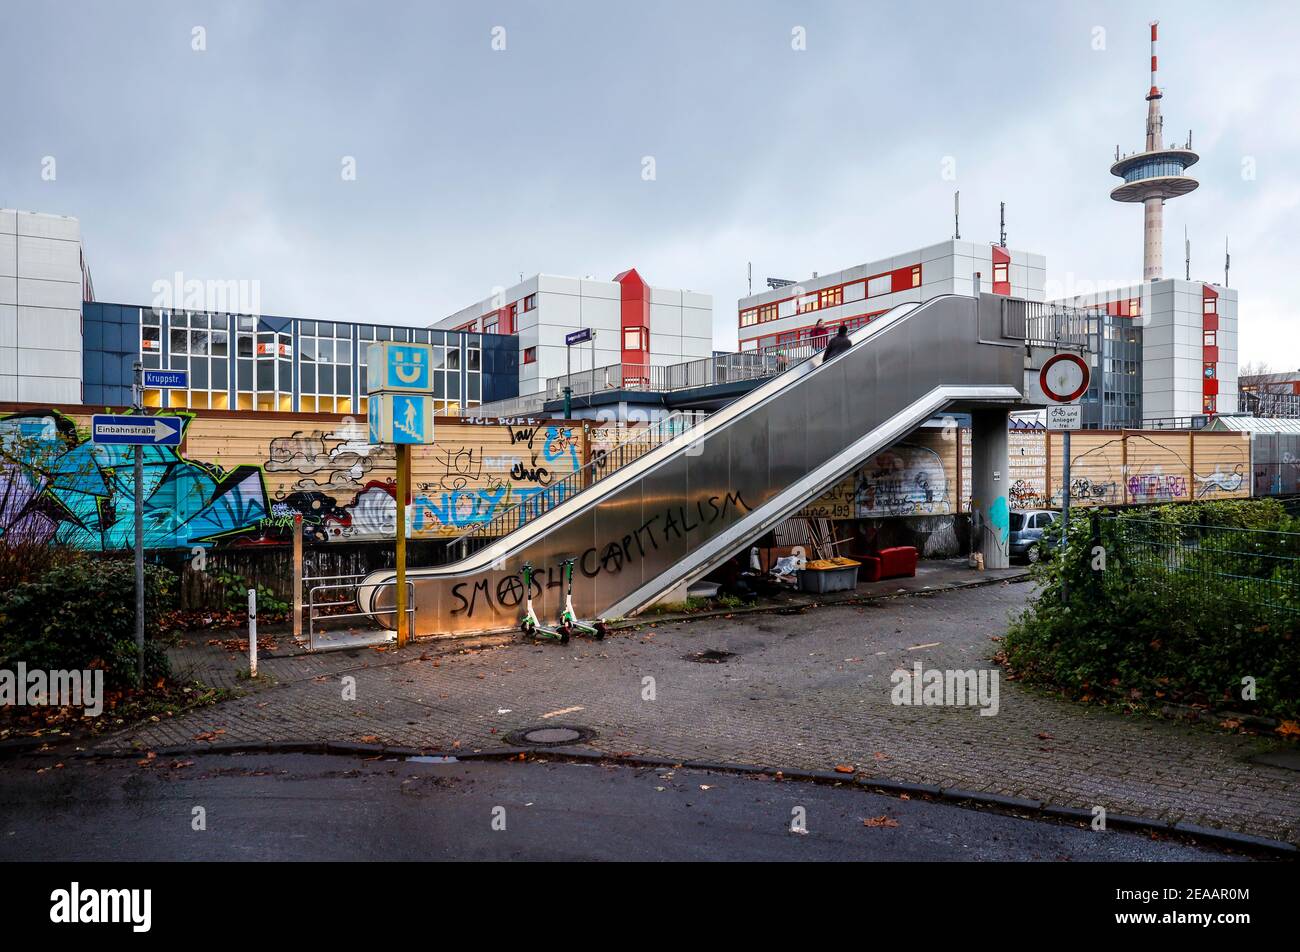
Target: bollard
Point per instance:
(252, 632)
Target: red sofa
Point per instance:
(896, 562)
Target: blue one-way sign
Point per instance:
(136, 430)
(166, 379)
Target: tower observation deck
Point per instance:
(1153, 176)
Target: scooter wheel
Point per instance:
(564, 637)
(600, 631)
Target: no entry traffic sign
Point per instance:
(1063, 378)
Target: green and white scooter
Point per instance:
(531, 625)
(569, 621)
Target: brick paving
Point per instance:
(807, 690)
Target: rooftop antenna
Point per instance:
(1003, 225)
(1187, 261)
(751, 279)
(1227, 261)
(956, 215)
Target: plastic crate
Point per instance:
(820, 581)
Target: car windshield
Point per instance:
(1017, 521)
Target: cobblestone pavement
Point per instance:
(809, 690)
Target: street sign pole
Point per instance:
(580, 336)
(1065, 510)
(137, 395)
(403, 484)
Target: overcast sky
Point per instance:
(474, 164)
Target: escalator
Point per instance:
(684, 507)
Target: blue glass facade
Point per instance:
(1155, 168)
(242, 362)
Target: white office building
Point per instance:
(43, 282)
(635, 325)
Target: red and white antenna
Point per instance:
(1155, 90)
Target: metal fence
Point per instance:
(1252, 566)
(1047, 325)
(705, 372)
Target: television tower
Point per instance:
(1154, 175)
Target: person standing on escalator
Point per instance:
(838, 345)
(819, 335)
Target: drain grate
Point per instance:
(550, 735)
(711, 656)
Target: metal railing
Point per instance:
(1263, 403)
(348, 583)
(1043, 324)
(603, 463)
(1255, 566)
(705, 372)
(528, 405)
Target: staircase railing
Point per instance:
(604, 463)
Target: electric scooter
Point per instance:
(531, 625)
(569, 621)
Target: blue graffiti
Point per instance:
(81, 494)
(1000, 518)
(565, 438)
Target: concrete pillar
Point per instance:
(1153, 247)
(989, 484)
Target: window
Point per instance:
(512, 319)
(151, 340)
(881, 284)
(1210, 305)
(767, 312)
(830, 297)
(1000, 273)
(530, 302)
(492, 324)
(636, 338)
(530, 355)
(1210, 339)
(749, 317)
(916, 276)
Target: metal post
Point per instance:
(252, 632)
(568, 382)
(1065, 510)
(297, 576)
(403, 482)
(137, 395)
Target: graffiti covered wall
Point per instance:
(242, 480)
(916, 477)
(1148, 467)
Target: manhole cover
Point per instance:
(711, 656)
(552, 735)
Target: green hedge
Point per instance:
(1179, 613)
(82, 615)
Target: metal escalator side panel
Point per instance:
(674, 511)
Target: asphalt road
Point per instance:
(308, 807)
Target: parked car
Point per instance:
(1027, 540)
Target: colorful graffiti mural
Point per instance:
(242, 481)
(57, 486)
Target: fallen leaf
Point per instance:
(844, 768)
(879, 821)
